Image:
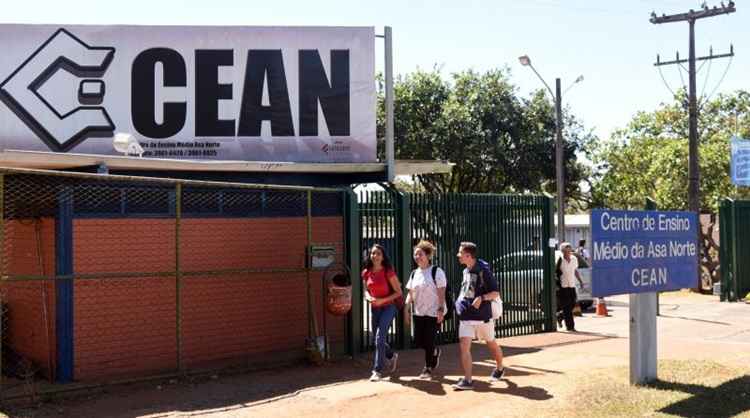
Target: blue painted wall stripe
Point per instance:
(64, 288)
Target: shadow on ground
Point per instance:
(228, 392)
(728, 399)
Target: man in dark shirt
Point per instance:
(473, 307)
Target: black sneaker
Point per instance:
(426, 374)
(436, 362)
(497, 375)
(463, 384)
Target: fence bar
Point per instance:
(3, 260)
(178, 273)
(353, 237)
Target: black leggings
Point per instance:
(425, 334)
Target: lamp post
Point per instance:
(559, 165)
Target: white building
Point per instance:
(577, 227)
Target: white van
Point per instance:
(521, 276)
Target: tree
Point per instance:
(649, 157)
(498, 141)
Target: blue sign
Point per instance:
(740, 164)
(643, 251)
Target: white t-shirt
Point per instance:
(584, 253)
(568, 278)
(424, 290)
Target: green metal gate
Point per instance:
(511, 232)
(734, 227)
(382, 216)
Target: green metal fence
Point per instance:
(734, 227)
(510, 231)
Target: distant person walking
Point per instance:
(567, 272)
(473, 307)
(583, 252)
(426, 287)
(382, 290)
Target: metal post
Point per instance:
(644, 307)
(559, 164)
(550, 301)
(390, 153)
(311, 321)
(642, 337)
(354, 259)
(403, 258)
(2, 275)
(178, 273)
(651, 205)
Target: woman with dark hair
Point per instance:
(383, 288)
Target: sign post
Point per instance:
(641, 253)
(642, 337)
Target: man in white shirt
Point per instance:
(567, 272)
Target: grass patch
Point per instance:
(686, 293)
(684, 388)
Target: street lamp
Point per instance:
(559, 168)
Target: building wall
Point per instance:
(29, 305)
(128, 326)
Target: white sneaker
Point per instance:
(394, 362)
(376, 377)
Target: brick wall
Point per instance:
(30, 316)
(128, 326)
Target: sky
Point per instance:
(611, 43)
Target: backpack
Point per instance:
(558, 273)
(497, 303)
(448, 293)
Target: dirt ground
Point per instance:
(543, 372)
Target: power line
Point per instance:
(708, 72)
(665, 82)
(721, 80)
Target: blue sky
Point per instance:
(612, 44)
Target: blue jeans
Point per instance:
(382, 317)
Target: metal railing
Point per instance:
(511, 232)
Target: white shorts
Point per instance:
(477, 329)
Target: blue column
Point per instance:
(64, 288)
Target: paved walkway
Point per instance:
(542, 371)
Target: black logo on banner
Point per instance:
(61, 131)
(63, 108)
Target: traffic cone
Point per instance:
(601, 308)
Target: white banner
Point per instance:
(302, 94)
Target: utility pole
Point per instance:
(691, 17)
(693, 167)
(559, 144)
(559, 163)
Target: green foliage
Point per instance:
(649, 158)
(498, 141)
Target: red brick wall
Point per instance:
(123, 326)
(31, 329)
(128, 327)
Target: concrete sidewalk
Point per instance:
(542, 373)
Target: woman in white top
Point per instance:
(426, 288)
